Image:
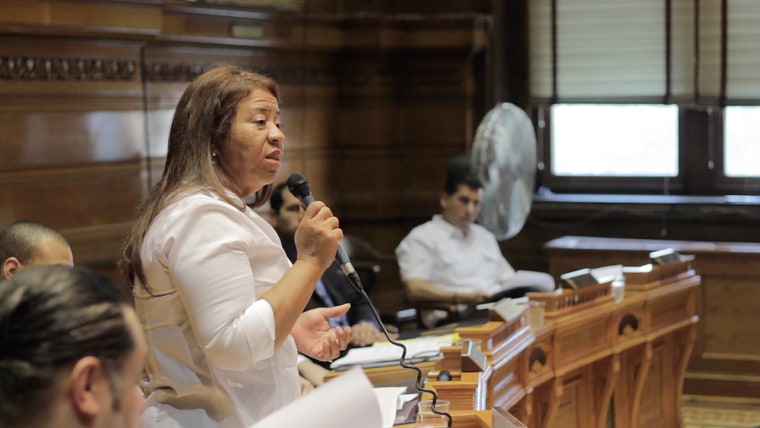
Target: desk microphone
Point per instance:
(299, 187)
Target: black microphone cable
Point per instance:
(299, 187)
(355, 281)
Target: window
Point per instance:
(614, 140)
(631, 97)
(741, 141)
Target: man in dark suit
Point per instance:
(333, 289)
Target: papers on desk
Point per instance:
(348, 401)
(423, 348)
(516, 300)
(396, 406)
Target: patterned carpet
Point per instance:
(720, 412)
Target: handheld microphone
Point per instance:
(299, 187)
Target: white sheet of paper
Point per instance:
(348, 401)
(388, 399)
(403, 398)
(607, 273)
(384, 353)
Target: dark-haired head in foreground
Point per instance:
(71, 351)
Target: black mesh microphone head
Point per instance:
(298, 185)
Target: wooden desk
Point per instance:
(594, 363)
(726, 357)
(605, 364)
(391, 375)
(395, 375)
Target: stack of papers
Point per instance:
(396, 406)
(357, 404)
(423, 348)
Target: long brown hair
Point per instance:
(201, 125)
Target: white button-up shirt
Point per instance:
(211, 360)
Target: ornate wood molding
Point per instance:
(108, 69)
(79, 69)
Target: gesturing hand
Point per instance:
(314, 336)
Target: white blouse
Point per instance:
(211, 359)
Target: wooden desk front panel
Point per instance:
(575, 407)
(657, 409)
(506, 383)
(581, 340)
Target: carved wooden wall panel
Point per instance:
(372, 106)
(103, 17)
(72, 133)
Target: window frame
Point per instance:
(700, 170)
(723, 183)
(700, 116)
(546, 179)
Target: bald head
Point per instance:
(27, 243)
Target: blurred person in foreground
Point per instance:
(71, 351)
(221, 304)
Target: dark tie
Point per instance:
(339, 321)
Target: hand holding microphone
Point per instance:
(318, 235)
(299, 187)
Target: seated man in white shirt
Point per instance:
(451, 259)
